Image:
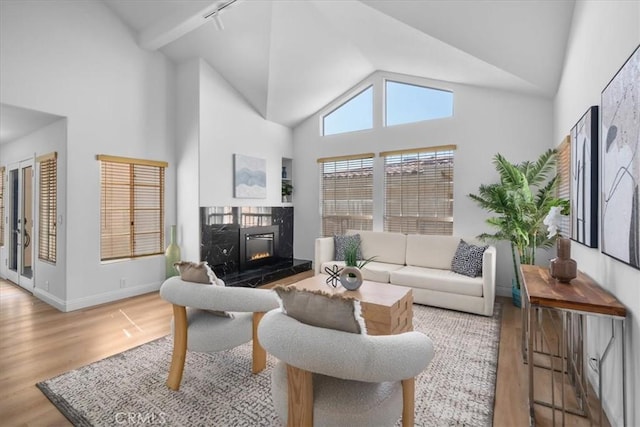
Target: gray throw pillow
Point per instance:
(468, 259)
(341, 242)
(317, 308)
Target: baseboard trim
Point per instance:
(503, 291)
(49, 298)
(90, 301)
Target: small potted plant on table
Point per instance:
(351, 276)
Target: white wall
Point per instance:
(50, 279)
(602, 37)
(77, 60)
(187, 165)
(485, 122)
(215, 122)
(228, 126)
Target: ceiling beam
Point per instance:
(166, 31)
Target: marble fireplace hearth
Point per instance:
(249, 246)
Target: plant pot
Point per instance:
(515, 294)
(351, 278)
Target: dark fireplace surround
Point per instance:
(249, 246)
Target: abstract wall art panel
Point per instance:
(584, 179)
(250, 177)
(620, 126)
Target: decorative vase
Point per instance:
(563, 268)
(172, 254)
(284, 172)
(351, 278)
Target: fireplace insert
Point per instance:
(258, 246)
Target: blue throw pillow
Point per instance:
(340, 243)
(468, 259)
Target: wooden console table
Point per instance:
(571, 302)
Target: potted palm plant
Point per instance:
(520, 201)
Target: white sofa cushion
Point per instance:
(373, 271)
(386, 247)
(437, 280)
(431, 251)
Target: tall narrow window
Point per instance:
(563, 166)
(418, 189)
(131, 207)
(407, 103)
(47, 207)
(346, 195)
(2, 206)
(355, 114)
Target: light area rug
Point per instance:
(457, 388)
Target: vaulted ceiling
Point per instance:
(291, 58)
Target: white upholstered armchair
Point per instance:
(200, 324)
(326, 377)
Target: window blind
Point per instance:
(346, 195)
(563, 165)
(47, 207)
(131, 207)
(418, 189)
(2, 178)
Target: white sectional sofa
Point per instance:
(422, 263)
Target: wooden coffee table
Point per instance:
(386, 309)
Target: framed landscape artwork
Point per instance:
(250, 177)
(584, 179)
(621, 164)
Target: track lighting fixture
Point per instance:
(215, 14)
(218, 21)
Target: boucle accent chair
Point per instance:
(326, 377)
(210, 318)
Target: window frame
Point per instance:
(333, 107)
(48, 207)
(133, 164)
(352, 219)
(563, 190)
(385, 109)
(417, 213)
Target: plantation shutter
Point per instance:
(418, 188)
(48, 207)
(2, 177)
(563, 166)
(131, 207)
(346, 195)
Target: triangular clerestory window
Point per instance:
(408, 103)
(355, 114)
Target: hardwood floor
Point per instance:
(38, 342)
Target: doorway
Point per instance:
(20, 191)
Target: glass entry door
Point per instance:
(20, 190)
